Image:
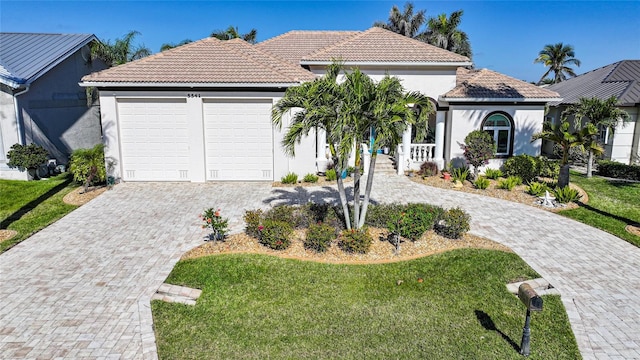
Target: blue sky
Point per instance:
(505, 35)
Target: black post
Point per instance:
(526, 335)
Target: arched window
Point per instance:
(500, 126)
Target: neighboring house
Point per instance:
(620, 79)
(202, 111)
(41, 101)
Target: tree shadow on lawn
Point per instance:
(487, 323)
(300, 196)
(609, 215)
(33, 204)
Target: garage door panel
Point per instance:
(154, 140)
(238, 140)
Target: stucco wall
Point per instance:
(622, 142)
(527, 120)
(303, 163)
(55, 112)
(431, 82)
(8, 134)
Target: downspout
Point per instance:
(19, 113)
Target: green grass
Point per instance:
(260, 307)
(612, 205)
(29, 206)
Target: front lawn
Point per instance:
(612, 205)
(29, 206)
(260, 307)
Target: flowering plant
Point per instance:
(212, 219)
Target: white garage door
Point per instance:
(154, 139)
(238, 140)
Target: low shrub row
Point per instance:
(528, 167)
(274, 227)
(618, 170)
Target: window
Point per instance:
(500, 127)
(603, 134)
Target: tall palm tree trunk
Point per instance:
(367, 191)
(356, 197)
(590, 165)
(563, 178)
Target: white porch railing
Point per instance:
(421, 152)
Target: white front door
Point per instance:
(238, 139)
(154, 139)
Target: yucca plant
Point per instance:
(536, 188)
(310, 178)
(493, 174)
(566, 194)
(460, 174)
(509, 183)
(290, 178)
(481, 183)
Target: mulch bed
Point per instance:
(518, 194)
(321, 182)
(381, 251)
(7, 234)
(79, 197)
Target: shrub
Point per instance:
(481, 183)
(355, 241)
(566, 194)
(509, 183)
(478, 148)
(319, 237)
(453, 223)
(379, 215)
(27, 157)
(618, 170)
(524, 166)
(493, 173)
(330, 175)
(252, 220)
(460, 174)
(310, 178)
(548, 167)
(87, 166)
(414, 220)
(537, 188)
(275, 234)
(284, 213)
(214, 220)
(428, 168)
(290, 178)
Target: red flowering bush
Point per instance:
(355, 241)
(214, 220)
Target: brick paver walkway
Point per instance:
(81, 287)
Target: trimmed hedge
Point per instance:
(618, 170)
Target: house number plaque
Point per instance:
(193, 95)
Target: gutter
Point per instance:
(18, 113)
(514, 100)
(185, 85)
(390, 63)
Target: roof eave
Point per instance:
(185, 85)
(13, 84)
(502, 100)
(388, 63)
(60, 59)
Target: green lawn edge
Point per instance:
(261, 306)
(29, 206)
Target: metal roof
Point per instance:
(24, 57)
(620, 79)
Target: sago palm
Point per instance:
(557, 57)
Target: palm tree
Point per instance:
(404, 23)
(232, 33)
(601, 113)
(167, 46)
(344, 111)
(443, 32)
(567, 137)
(557, 57)
(121, 51)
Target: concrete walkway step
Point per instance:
(177, 294)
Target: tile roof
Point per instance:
(24, 57)
(378, 45)
(294, 45)
(487, 84)
(208, 61)
(620, 79)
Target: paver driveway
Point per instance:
(82, 286)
